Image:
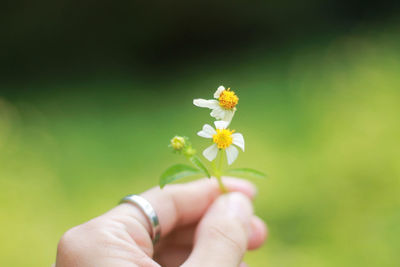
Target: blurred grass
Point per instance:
(322, 120)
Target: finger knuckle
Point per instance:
(67, 249)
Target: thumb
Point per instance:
(222, 234)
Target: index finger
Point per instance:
(181, 204)
(184, 204)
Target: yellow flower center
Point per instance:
(223, 138)
(228, 99)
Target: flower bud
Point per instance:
(178, 143)
(189, 151)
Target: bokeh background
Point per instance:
(92, 91)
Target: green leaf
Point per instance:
(176, 172)
(246, 172)
(196, 161)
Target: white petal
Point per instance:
(221, 124)
(207, 131)
(219, 91)
(229, 115)
(231, 154)
(211, 152)
(212, 103)
(237, 139)
(218, 113)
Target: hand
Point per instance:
(199, 227)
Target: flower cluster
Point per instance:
(223, 109)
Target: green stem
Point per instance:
(214, 168)
(218, 173)
(221, 185)
(221, 160)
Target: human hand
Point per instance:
(199, 227)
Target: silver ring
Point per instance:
(150, 213)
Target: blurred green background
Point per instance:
(91, 93)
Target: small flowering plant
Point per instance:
(225, 143)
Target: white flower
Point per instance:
(223, 106)
(223, 139)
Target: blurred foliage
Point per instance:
(58, 37)
(322, 120)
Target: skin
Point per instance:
(200, 227)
